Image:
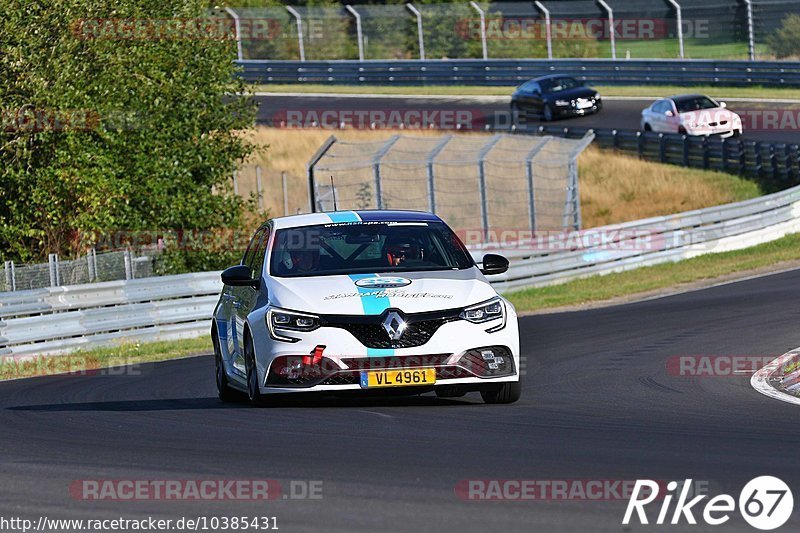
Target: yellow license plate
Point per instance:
(400, 377)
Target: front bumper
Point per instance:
(450, 350)
(573, 110)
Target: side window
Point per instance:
(251, 248)
(258, 259)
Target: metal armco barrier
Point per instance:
(515, 71)
(62, 319)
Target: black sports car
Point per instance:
(553, 96)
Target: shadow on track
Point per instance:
(190, 404)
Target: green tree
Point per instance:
(106, 129)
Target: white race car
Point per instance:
(363, 300)
(691, 114)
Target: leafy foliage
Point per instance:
(159, 144)
(786, 41)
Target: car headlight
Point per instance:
(486, 311)
(562, 102)
(282, 319)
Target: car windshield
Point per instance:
(695, 104)
(353, 248)
(555, 85)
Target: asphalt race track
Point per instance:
(598, 403)
(623, 114)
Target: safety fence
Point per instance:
(91, 268)
(708, 29)
(473, 182)
(503, 72)
(62, 319)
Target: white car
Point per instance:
(362, 300)
(691, 114)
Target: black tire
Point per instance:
(224, 390)
(737, 133)
(547, 113)
(648, 127)
(505, 393)
(253, 391)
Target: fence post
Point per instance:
(312, 200)
(376, 169)
(640, 138)
(547, 28)
(359, 33)
(52, 260)
(299, 20)
(759, 161)
(678, 13)
(238, 28)
(430, 173)
(725, 155)
(529, 176)
(482, 185)
(482, 16)
(11, 282)
(94, 262)
(420, 38)
(259, 188)
(126, 255)
(89, 266)
(685, 150)
(610, 28)
(751, 41)
(285, 193)
(742, 156)
(662, 148)
(235, 182)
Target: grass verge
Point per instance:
(87, 361)
(648, 279)
(654, 91)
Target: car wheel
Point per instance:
(681, 130)
(253, 391)
(648, 127)
(224, 390)
(737, 133)
(505, 393)
(547, 113)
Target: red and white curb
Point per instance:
(772, 382)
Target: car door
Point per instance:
(236, 302)
(528, 97)
(248, 296)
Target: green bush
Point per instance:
(786, 41)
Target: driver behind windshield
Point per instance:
(400, 249)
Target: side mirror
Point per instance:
(239, 276)
(723, 105)
(494, 264)
(669, 113)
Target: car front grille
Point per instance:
(370, 332)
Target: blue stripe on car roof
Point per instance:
(396, 216)
(343, 216)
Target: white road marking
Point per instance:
(761, 379)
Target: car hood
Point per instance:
(706, 116)
(411, 292)
(569, 94)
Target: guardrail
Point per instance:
(775, 165)
(62, 319)
(514, 72)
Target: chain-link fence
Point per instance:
(93, 267)
(636, 29)
(484, 185)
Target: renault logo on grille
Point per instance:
(395, 325)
